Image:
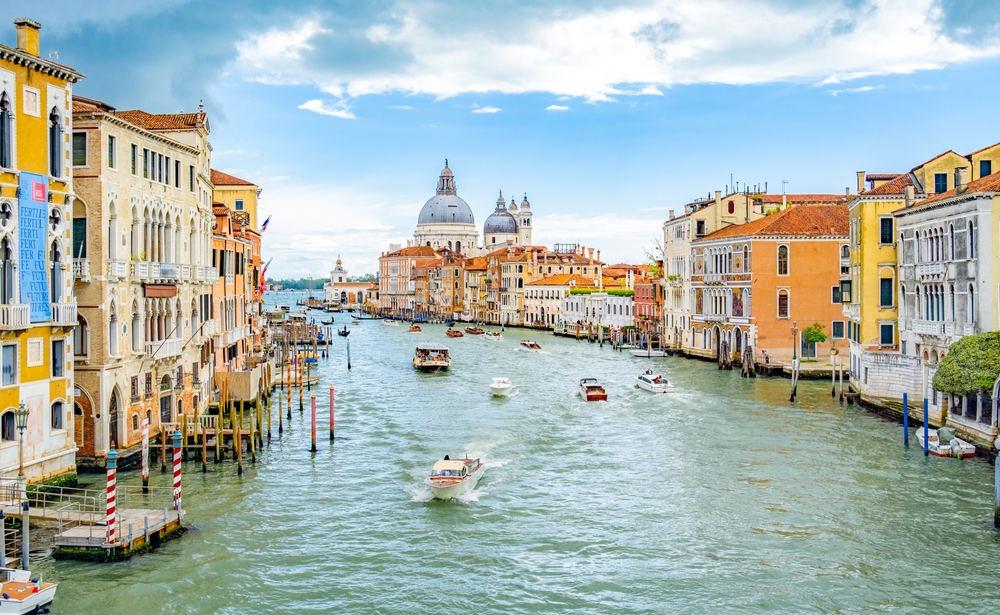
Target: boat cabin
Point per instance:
(452, 467)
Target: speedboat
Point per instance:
(454, 333)
(654, 383)
(494, 335)
(529, 346)
(453, 477)
(389, 323)
(943, 443)
(501, 387)
(474, 331)
(415, 328)
(648, 352)
(591, 390)
(431, 358)
(22, 595)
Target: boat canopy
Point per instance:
(450, 464)
(432, 347)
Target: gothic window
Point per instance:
(6, 272)
(783, 304)
(55, 142)
(782, 260)
(6, 136)
(56, 276)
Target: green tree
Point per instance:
(972, 363)
(813, 334)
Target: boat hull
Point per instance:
(33, 603)
(454, 490)
(653, 388)
(502, 391)
(656, 354)
(594, 395)
(968, 451)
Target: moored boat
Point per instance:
(529, 346)
(474, 331)
(494, 335)
(648, 352)
(453, 477)
(22, 595)
(943, 443)
(454, 333)
(591, 390)
(415, 329)
(501, 387)
(654, 383)
(431, 358)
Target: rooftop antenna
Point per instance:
(54, 54)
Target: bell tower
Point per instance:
(524, 223)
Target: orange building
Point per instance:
(754, 282)
(232, 253)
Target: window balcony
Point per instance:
(211, 275)
(81, 269)
(230, 278)
(926, 270)
(932, 327)
(140, 270)
(185, 273)
(169, 271)
(210, 328)
(231, 337)
(715, 317)
(199, 274)
(63, 314)
(117, 269)
(163, 349)
(15, 317)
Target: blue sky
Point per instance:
(607, 114)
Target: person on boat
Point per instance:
(447, 458)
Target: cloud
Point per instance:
(487, 110)
(866, 88)
(557, 108)
(340, 109)
(403, 107)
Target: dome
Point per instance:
(525, 204)
(446, 207)
(500, 222)
(513, 206)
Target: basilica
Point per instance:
(446, 221)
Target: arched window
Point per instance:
(113, 332)
(782, 304)
(135, 422)
(137, 332)
(972, 241)
(56, 415)
(6, 272)
(951, 241)
(782, 260)
(55, 279)
(458, 246)
(6, 137)
(449, 245)
(8, 430)
(55, 143)
(732, 207)
(845, 252)
(951, 294)
(972, 304)
(80, 340)
(520, 283)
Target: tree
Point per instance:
(813, 334)
(972, 363)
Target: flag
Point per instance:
(263, 271)
(263, 227)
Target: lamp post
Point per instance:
(795, 360)
(21, 421)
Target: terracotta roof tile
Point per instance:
(564, 279)
(816, 220)
(803, 198)
(895, 186)
(881, 177)
(414, 251)
(225, 179)
(162, 121)
(990, 183)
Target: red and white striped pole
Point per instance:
(145, 455)
(177, 472)
(331, 413)
(313, 398)
(112, 496)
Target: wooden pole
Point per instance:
(163, 449)
(204, 448)
(237, 441)
(145, 455)
(281, 418)
(298, 364)
(183, 430)
(906, 421)
(331, 413)
(313, 400)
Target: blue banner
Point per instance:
(33, 214)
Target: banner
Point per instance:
(33, 214)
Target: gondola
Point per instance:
(343, 332)
(327, 322)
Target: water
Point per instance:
(721, 497)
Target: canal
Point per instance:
(720, 497)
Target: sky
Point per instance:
(607, 114)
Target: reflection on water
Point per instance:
(720, 497)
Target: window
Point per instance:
(135, 388)
(58, 358)
(8, 365)
(985, 168)
(166, 171)
(8, 426)
(782, 260)
(191, 177)
(6, 136)
(731, 207)
(972, 241)
(845, 291)
(177, 174)
(886, 230)
(57, 415)
(886, 335)
(149, 385)
(700, 228)
(134, 157)
(885, 292)
(112, 152)
(239, 207)
(79, 237)
(55, 143)
(145, 163)
(835, 296)
(80, 337)
(782, 304)
(940, 182)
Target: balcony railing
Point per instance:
(231, 337)
(81, 269)
(715, 317)
(929, 269)
(933, 327)
(163, 349)
(64, 314)
(118, 268)
(199, 274)
(169, 271)
(15, 317)
(140, 270)
(230, 278)
(186, 272)
(210, 328)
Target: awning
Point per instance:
(160, 290)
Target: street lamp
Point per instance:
(21, 421)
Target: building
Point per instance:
(475, 284)
(446, 280)
(544, 299)
(446, 220)
(396, 289)
(340, 293)
(238, 195)
(232, 305)
(753, 283)
(648, 305)
(508, 225)
(142, 234)
(37, 309)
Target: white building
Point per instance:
(619, 311)
(446, 220)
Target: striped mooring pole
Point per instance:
(313, 399)
(112, 496)
(331, 413)
(145, 455)
(177, 472)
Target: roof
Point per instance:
(816, 220)
(431, 346)
(881, 177)
(163, 121)
(225, 179)
(414, 251)
(894, 186)
(476, 264)
(83, 105)
(978, 151)
(451, 464)
(802, 198)
(990, 183)
(564, 279)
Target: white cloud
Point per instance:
(600, 53)
(557, 108)
(866, 88)
(487, 110)
(403, 107)
(340, 109)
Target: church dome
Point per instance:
(500, 222)
(525, 204)
(446, 207)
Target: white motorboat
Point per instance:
(943, 443)
(453, 477)
(20, 595)
(529, 346)
(648, 352)
(493, 335)
(389, 323)
(501, 387)
(654, 383)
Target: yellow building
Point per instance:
(239, 195)
(37, 312)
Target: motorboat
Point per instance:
(494, 335)
(501, 387)
(591, 390)
(529, 346)
(450, 323)
(389, 322)
(355, 322)
(452, 477)
(943, 443)
(343, 332)
(415, 328)
(22, 595)
(648, 352)
(454, 333)
(431, 358)
(474, 331)
(654, 383)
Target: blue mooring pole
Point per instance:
(926, 436)
(906, 421)
(996, 484)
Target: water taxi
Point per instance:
(494, 335)
(501, 387)
(453, 477)
(389, 323)
(474, 331)
(22, 595)
(591, 390)
(431, 358)
(654, 383)
(943, 443)
(414, 328)
(454, 333)
(529, 346)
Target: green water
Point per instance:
(722, 497)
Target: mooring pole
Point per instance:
(906, 421)
(281, 418)
(348, 353)
(331, 413)
(996, 485)
(926, 435)
(112, 498)
(177, 473)
(145, 455)
(163, 449)
(204, 449)
(313, 400)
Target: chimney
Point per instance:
(590, 252)
(847, 191)
(861, 182)
(784, 200)
(718, 196)
(671, 214)
(27, 35)
(961, 179)
(908, 196)
(598, 256)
